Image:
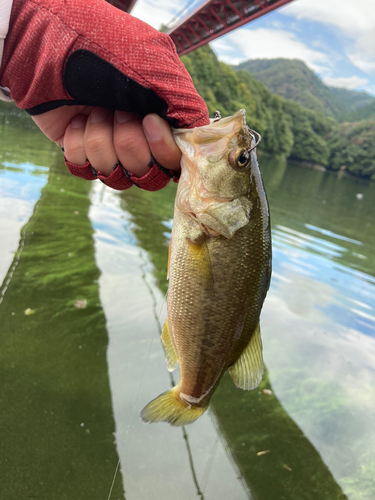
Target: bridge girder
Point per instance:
(216, 18)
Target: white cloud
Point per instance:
(354, 20)
(349, 17)
(155, 13)
(363, 54)
(265, 43)
(352, 82)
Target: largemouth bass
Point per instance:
(219, 269)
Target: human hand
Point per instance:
(106, 138)
(63, 60)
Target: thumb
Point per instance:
(160, 140)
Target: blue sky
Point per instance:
(335, 38)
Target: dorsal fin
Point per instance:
(247, 371)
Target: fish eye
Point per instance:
(239, 159)
(242, 159)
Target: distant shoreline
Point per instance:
(340, 173)
(316, 166)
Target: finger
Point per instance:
(74, 140)
(130, 143)
(99, 146)
(161, 142)
(55, 122)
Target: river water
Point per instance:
(83, 273)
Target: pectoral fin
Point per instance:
(169, 350)
(200, 262)
(247, 371)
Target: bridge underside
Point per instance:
(216, 18)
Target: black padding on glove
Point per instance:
(92, 81)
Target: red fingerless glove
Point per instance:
(65, 52)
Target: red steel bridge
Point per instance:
(212, 19)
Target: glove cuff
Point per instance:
(120, 179)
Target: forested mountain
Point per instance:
(287, 128)
(277, 120)
(352, 99)
(364, 113)
(293, 80)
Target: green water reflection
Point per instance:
(57, 428)
(91, 270)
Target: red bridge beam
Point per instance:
(125, 5)
(216, 18)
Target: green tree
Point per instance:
(308, 144)
(353, 149)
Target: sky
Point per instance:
(335, 38)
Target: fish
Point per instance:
(219, 269)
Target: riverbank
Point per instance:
(313, 166)
(339, 173)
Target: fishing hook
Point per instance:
(257, 142)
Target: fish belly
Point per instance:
(214, 290)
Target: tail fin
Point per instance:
(169, 407)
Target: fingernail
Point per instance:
(153, 128)
(99, 115)
(78, 121)
(124, 116)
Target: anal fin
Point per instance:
(247, 371)
(169, 350)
